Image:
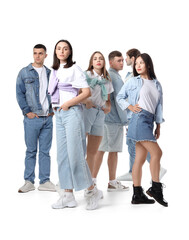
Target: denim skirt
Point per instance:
(141, 127)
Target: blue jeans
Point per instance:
(38, 130)
(73, 170)
(131, 149)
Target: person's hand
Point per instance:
(134, 108)
(51, 114)
(64, 107)
(157, 131)
(107, 109)
(32, 115)
(89, 104)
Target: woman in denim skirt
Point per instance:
(144, 107)
(68, 88)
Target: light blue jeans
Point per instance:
(38, 130)
(73, 170)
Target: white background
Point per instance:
(157, 27)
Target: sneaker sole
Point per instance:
(117, 190)
(45, 189)
(69, 205)
(20, 191)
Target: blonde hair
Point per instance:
(104, 71)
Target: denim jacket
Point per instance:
(27, 90)
(131, 91)
(116, 116)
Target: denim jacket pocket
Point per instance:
(29, 80)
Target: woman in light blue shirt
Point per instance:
(144, 105)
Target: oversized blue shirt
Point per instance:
(116, 116)
(129, 95)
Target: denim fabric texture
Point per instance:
(130, 92)
(141, 127)
(73, 170)
(94, 121)
(38, 130)
(27, 90)
(116, 115)
(112, 140)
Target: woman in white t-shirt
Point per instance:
(68, 87)
(97, 105)
(145, 102)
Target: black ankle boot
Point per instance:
(139, 197)
(156, 191)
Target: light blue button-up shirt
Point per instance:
(116, 116)
(131, 91)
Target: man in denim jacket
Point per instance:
(32, 97)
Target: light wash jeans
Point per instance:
(131, 149)
(73, 170)
(38, 130)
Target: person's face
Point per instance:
(128, 60)
(140, 66)
(117, 63)
(39, 56)
(62, 51)
(98, 61)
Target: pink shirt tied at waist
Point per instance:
(55, 86)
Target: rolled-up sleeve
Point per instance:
(122, 97)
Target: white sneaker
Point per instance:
(93, 197)
(117, 187)
(47, 186)
(162, 172)
(125, 177)
(65, 201)
(28, 186)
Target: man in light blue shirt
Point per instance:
(112, 140)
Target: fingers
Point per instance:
(136, 108)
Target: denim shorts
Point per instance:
(112, 140)
(141, 127)
(94, 121)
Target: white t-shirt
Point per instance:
(96, 96)
(43, 90)
(149, 96)
(73, 75)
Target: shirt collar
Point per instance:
(113, 70)
(30, 67)
(154, 80)
(96, 74)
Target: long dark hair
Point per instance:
(148, 63)
(56, 61)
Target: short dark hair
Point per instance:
(40, 46)
(133, 52)
(114, 54)
(148, 63)
(56, 61)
